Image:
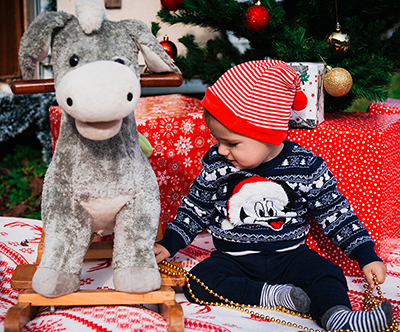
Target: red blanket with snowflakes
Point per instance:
(19, 239)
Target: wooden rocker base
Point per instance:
(29, 301)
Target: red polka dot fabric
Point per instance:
(362, 151)
(390, 106)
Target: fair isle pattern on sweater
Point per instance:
(317, 196)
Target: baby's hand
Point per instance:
(377, 268)
(160, 252)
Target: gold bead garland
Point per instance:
(369, 301)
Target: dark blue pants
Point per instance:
(240, 279)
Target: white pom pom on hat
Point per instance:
(255, 98)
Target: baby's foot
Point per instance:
(288, 296)
(341, 317)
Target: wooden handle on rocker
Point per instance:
(146, 81)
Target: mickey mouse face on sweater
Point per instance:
(258, 201)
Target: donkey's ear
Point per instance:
(157, 60)
(35, 42)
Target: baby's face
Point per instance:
(242, 151)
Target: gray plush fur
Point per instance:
(113, 171)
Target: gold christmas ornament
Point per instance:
(338, 41)
(337, 81)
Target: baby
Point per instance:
(256, 195)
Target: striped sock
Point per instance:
(289, 296)
(341, 317)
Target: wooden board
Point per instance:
(23, 274)
(97, 297)
(146, 81)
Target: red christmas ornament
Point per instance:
(169, 47)
(172, 4)
(256, 17)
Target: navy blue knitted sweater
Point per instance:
(311, 193)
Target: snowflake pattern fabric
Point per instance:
(17, 235)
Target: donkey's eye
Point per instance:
(122, 62)
(73, 60)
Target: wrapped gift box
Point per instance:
(175, 128)
(390, 106)
(311, 76)
(362, 151)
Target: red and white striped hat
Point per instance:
(255, 98)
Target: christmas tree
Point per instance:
(297, 31)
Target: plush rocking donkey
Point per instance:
(99, 181)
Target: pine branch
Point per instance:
(297, 31)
